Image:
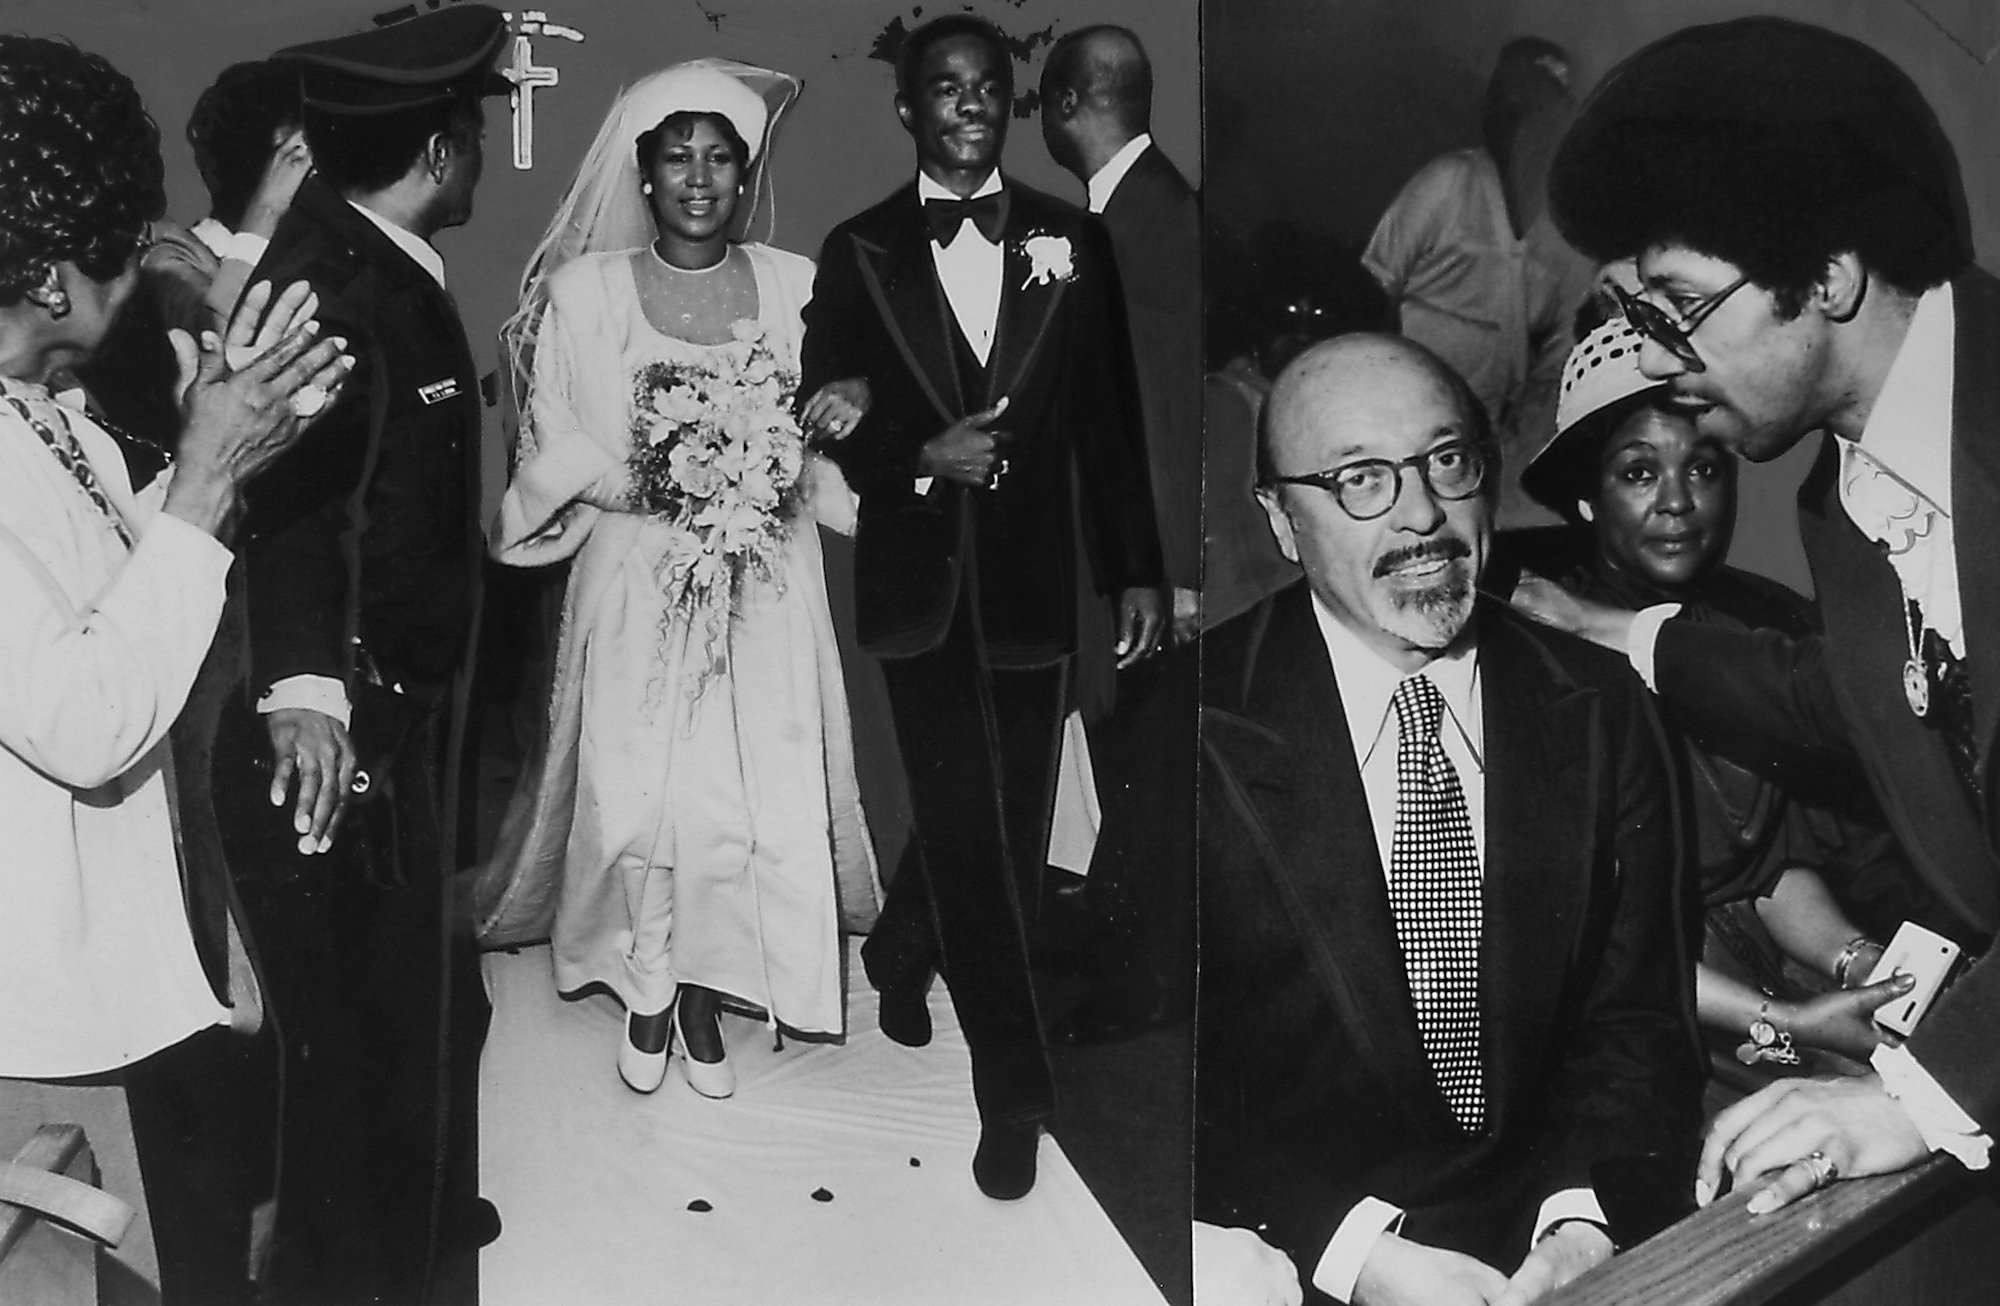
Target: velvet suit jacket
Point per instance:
(368, 528)
(1155, 225)
(1843, 691)
(1312, 1088)
(1077, 479)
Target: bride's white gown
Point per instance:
(663, 836)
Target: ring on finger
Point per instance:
(1823, 1168)
(308, 400)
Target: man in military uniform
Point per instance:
(334, 780)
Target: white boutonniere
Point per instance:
(1049, 259)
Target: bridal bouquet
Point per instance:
(716, 455)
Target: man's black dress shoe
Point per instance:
(905, 1016)
(1004, 1164)
(467, 1223)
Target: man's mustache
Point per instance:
(1431, 550)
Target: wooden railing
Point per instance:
(1724, 1256)
(54, 1149)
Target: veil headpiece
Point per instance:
(603, 210)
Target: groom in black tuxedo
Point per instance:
(1001, 450)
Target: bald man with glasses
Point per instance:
(1442, 977)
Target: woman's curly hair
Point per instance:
(80, 170)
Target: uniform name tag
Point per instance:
(439, 391)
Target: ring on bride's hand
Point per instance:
(1823, 1167)
(307, 400)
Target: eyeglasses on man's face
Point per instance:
(1369, 487)
(1661, 327)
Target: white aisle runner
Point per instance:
(836, 1175)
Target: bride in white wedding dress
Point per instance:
(690, 834)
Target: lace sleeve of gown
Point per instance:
(571, 463)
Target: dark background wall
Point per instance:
(1319, 110)
(839, 149)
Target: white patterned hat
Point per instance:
(1600, 372)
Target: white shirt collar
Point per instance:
(1104, 182)
(1909, 428)
(929, 188)
(1367, 682)
(420, 251)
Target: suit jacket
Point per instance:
(368, 529)
(1076, 459)
(1155, 225)
(1312, 1088)
(1843, 691)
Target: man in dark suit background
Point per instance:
(985, 319)
(1442, 973)
(1096, 111)
(360, 558)
(1798, 221)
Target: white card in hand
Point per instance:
(1926, 957)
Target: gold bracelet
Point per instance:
(1848, 956)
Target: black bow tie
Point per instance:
(988, 213)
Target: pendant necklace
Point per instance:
(1916, 680)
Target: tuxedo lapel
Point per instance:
(1539, 834)
(1027, 303)
(1975, 497)
(1292, 771)
(902, 283)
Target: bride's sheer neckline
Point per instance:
(694, 307)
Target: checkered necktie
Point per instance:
(1434, 892)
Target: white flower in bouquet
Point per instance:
(680, 404)
(694, 470)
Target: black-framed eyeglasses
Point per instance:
(1369, 487)
(1659, 326)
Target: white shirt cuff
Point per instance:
(1944, 1125)
(319, 693)
(923, 484)
(1645, 634)
(1569, 1204)
(1340, 1264)
(245, 247)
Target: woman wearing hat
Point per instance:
(1654, 503)
(692, 823)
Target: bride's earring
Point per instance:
(646, 188)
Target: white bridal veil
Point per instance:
(603, 210)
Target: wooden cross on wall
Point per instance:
(528, 77)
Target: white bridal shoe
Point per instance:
(708, 1078)
(642, 1071)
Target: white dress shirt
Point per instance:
(326, 694)
(970, 269)
(1367, 683)
(1895, 485)
(1103, 183)
(243, 246)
